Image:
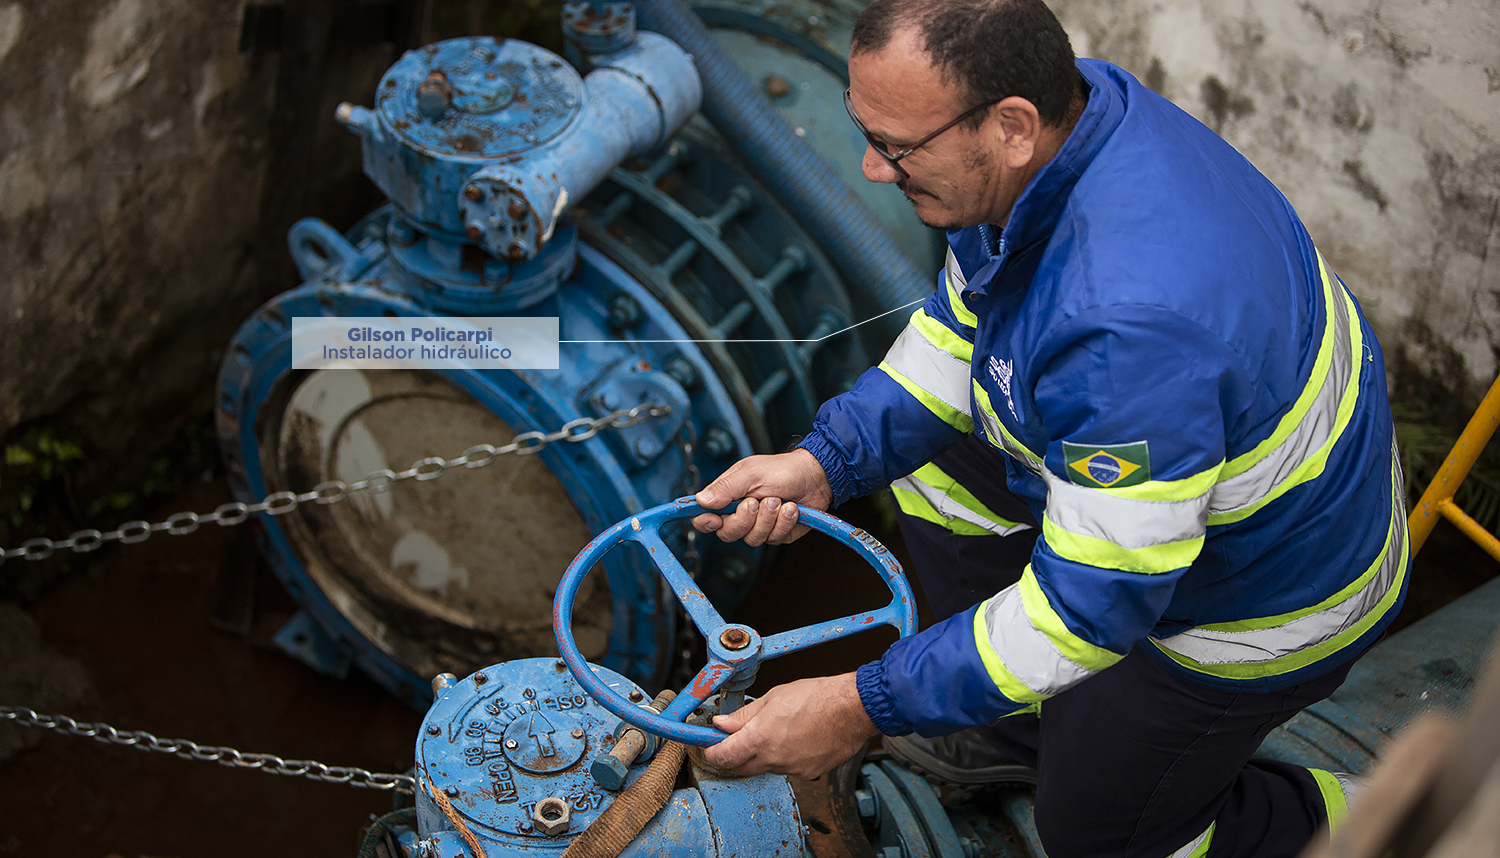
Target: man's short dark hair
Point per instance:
(991, 48)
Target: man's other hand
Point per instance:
(804, 728)
(772, 486)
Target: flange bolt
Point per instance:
(718, 442)
(625, 312)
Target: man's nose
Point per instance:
(878, 169)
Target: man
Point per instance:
(1189, 400)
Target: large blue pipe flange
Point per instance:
(442, 575)
(679, 284)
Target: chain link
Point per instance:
(334, 491)
(188, 750)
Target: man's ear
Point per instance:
(1020, 127)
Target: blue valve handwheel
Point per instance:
(733, 649)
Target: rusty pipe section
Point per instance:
(634, 100)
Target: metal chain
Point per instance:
(333, 491)
(187, 750)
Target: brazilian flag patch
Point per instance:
(1107, 466)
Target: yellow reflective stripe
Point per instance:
(1198, 846)
(1311, 466)
(1239, 464)
(930, 494)
(1303, 657)
(1187, 488)
(1252, 649)
(1046, 620)
(1334, 800)
(999, 674)
(914, 504)
(1149, 560)
(941, 336)
(1000, 435)
(961, 311)
(948, 414)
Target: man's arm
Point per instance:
(1138, 441)
(898, 415)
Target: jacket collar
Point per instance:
(1042, 201)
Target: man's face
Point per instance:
(958, 179)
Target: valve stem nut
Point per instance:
(551, 816)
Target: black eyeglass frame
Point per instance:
(893, 159)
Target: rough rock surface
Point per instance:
(1380, 121)
(35, 675)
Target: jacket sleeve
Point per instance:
(904, 411)
(1134, 404)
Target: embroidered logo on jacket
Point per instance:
(1107, 466)
(1000, 371)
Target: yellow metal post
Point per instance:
(1438, 499)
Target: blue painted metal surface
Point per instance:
(837, 219)
(484, 146)
(490, 142)
(497, 743)
(796, 52)
(386, 623)
(734, 651)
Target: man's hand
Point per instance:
(772, 487)
(804, 729)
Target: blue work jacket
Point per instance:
(1189, 398)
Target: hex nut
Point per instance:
(551, 816)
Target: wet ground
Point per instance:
(131, 639)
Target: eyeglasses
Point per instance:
(893, 158)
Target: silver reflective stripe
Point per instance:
(1124, 522)
(931, 368)
(998, 436)
(950, 508)
(1198, 845)
(1256, 646)
(1311, 433)
(955, 273)
(1028, 653)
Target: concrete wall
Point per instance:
(132, 150)
(1380, 120)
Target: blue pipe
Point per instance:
(877, 273)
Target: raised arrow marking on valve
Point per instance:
(543, 739)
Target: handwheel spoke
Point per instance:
(705, 615)
(799, 639)
(709, 680)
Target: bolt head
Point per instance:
(516, 209)
(473, 193)
(734, 639)
(434, 730)
(577, 733)
(551, 816)
(516, 253)
(866, 802)
(452, 792)
(474, 232)
(511, 744)
(636, 696)
(609, 772)
(480, 679)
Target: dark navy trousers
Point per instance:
(1134, 761)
